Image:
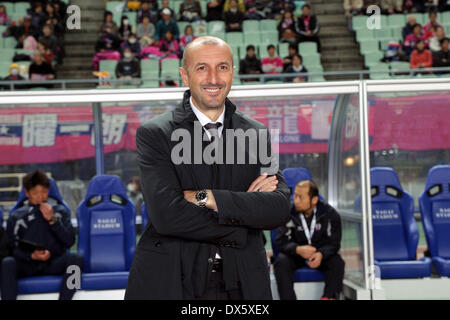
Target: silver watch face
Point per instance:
(201, 196)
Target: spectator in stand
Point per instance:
(165, 5)
(47, 54)
(129, 67)
(145, 32)
(48, 230)
(108, 22)
(214, 10)
(433, 22)
(391, 6)
(146, 10)
(430, 5)
(60, 7)
(166, 23)
(4, 18)
(14, 75)
(241, 5)
(308, 27)
(233, 17)
(132, 44)
(441, 58)
(187, 37)
(169, 46)
(272, 64)
(250, 65)
(408, 28)
(296, 67)
(421, 57)
(37, 15)
(444, 5)
(40, 70)
(287, 29)
(55, 45)
(253, 10)
(412, 39)
(110, 40)
(435, 40)
(125, 28)
(50, 12)
(353, 8)
(104, 53)
(278, 8)
(190, 11)
(23, 30)
(287, 61)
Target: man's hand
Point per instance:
(40, 255)
(315, 260)
(264, 183)
(47, 211)
(305, 252)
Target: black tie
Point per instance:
(213, 129)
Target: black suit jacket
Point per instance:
(168, 250)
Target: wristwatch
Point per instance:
(53, 219)
(201, 197)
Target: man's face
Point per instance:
(296, 61)
(305, 11)
(37, 195)
(412, 21)
(47, 31)
(417, 30)
(271, 52)
(302, 201)
(420, 45)
(209, 75)
(251, 53)
(37, 57)
(166, 17)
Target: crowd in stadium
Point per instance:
(33, 37)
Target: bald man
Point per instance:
(204, 240)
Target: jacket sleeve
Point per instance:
(63, 229)
(170, 213)
(261, 210)
(16, 251)
(284, 243)
(331, 245)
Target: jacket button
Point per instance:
(157, 244)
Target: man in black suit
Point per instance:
(205, 239)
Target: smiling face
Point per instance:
(208, 72)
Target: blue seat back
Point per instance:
(395, 232)
(106, 226)
(144, 215)
(435, 211)
(53, 193)
(273, 236)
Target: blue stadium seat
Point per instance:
(303, 274)
(395, 232)
(106, 234)
(295, 175)
(1, 217)
(144, 215)
(40, 284)
(435, 211)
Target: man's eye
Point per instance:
(201, 68)
(224, 68)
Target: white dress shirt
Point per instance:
(203, 119)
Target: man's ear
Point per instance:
(315, 200)
(26, 193)
(184, 76)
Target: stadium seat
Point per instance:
(395, 232)
(307, 48)
(311, 60)
(380, 75)
(251, 26)
(283, 49)
(396, 34)
(303, 274)
(7, 55)
(383, 34)
(182, 25)
(169, 66)
(364, 34)
(400, 69)
(235, 38)
(434, 205)
(116, 7)
(21, 7)
(268, 25)
(1, 217)
(9, 43)
(9, 6)
(372, 58)
(397, 21)
(110, 66)
(144, 215)
(40, 284)
(106, 234)
(368, 46)
(216, 27)
(317, 79)
(253, 38)
(150, 66)
(359, 22)
(269, 37)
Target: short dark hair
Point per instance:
(293, 46)
(270, 46)
(313, 189)
(416, 25)
(35, 178)
(444, 39)
(299, 56)
(250, 47)
(306, 5)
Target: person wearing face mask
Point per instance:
(129, 67)
(132, 44)
(421, 57)
(296, 67)
(14, 75)
(125, 28)
(312, 237)
(134, 192)
(233, 17)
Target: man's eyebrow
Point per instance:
(204, 63)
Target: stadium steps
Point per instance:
(339, 50)
(80, 44)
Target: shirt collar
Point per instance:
(202, 118)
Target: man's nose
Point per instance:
(212, 76)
